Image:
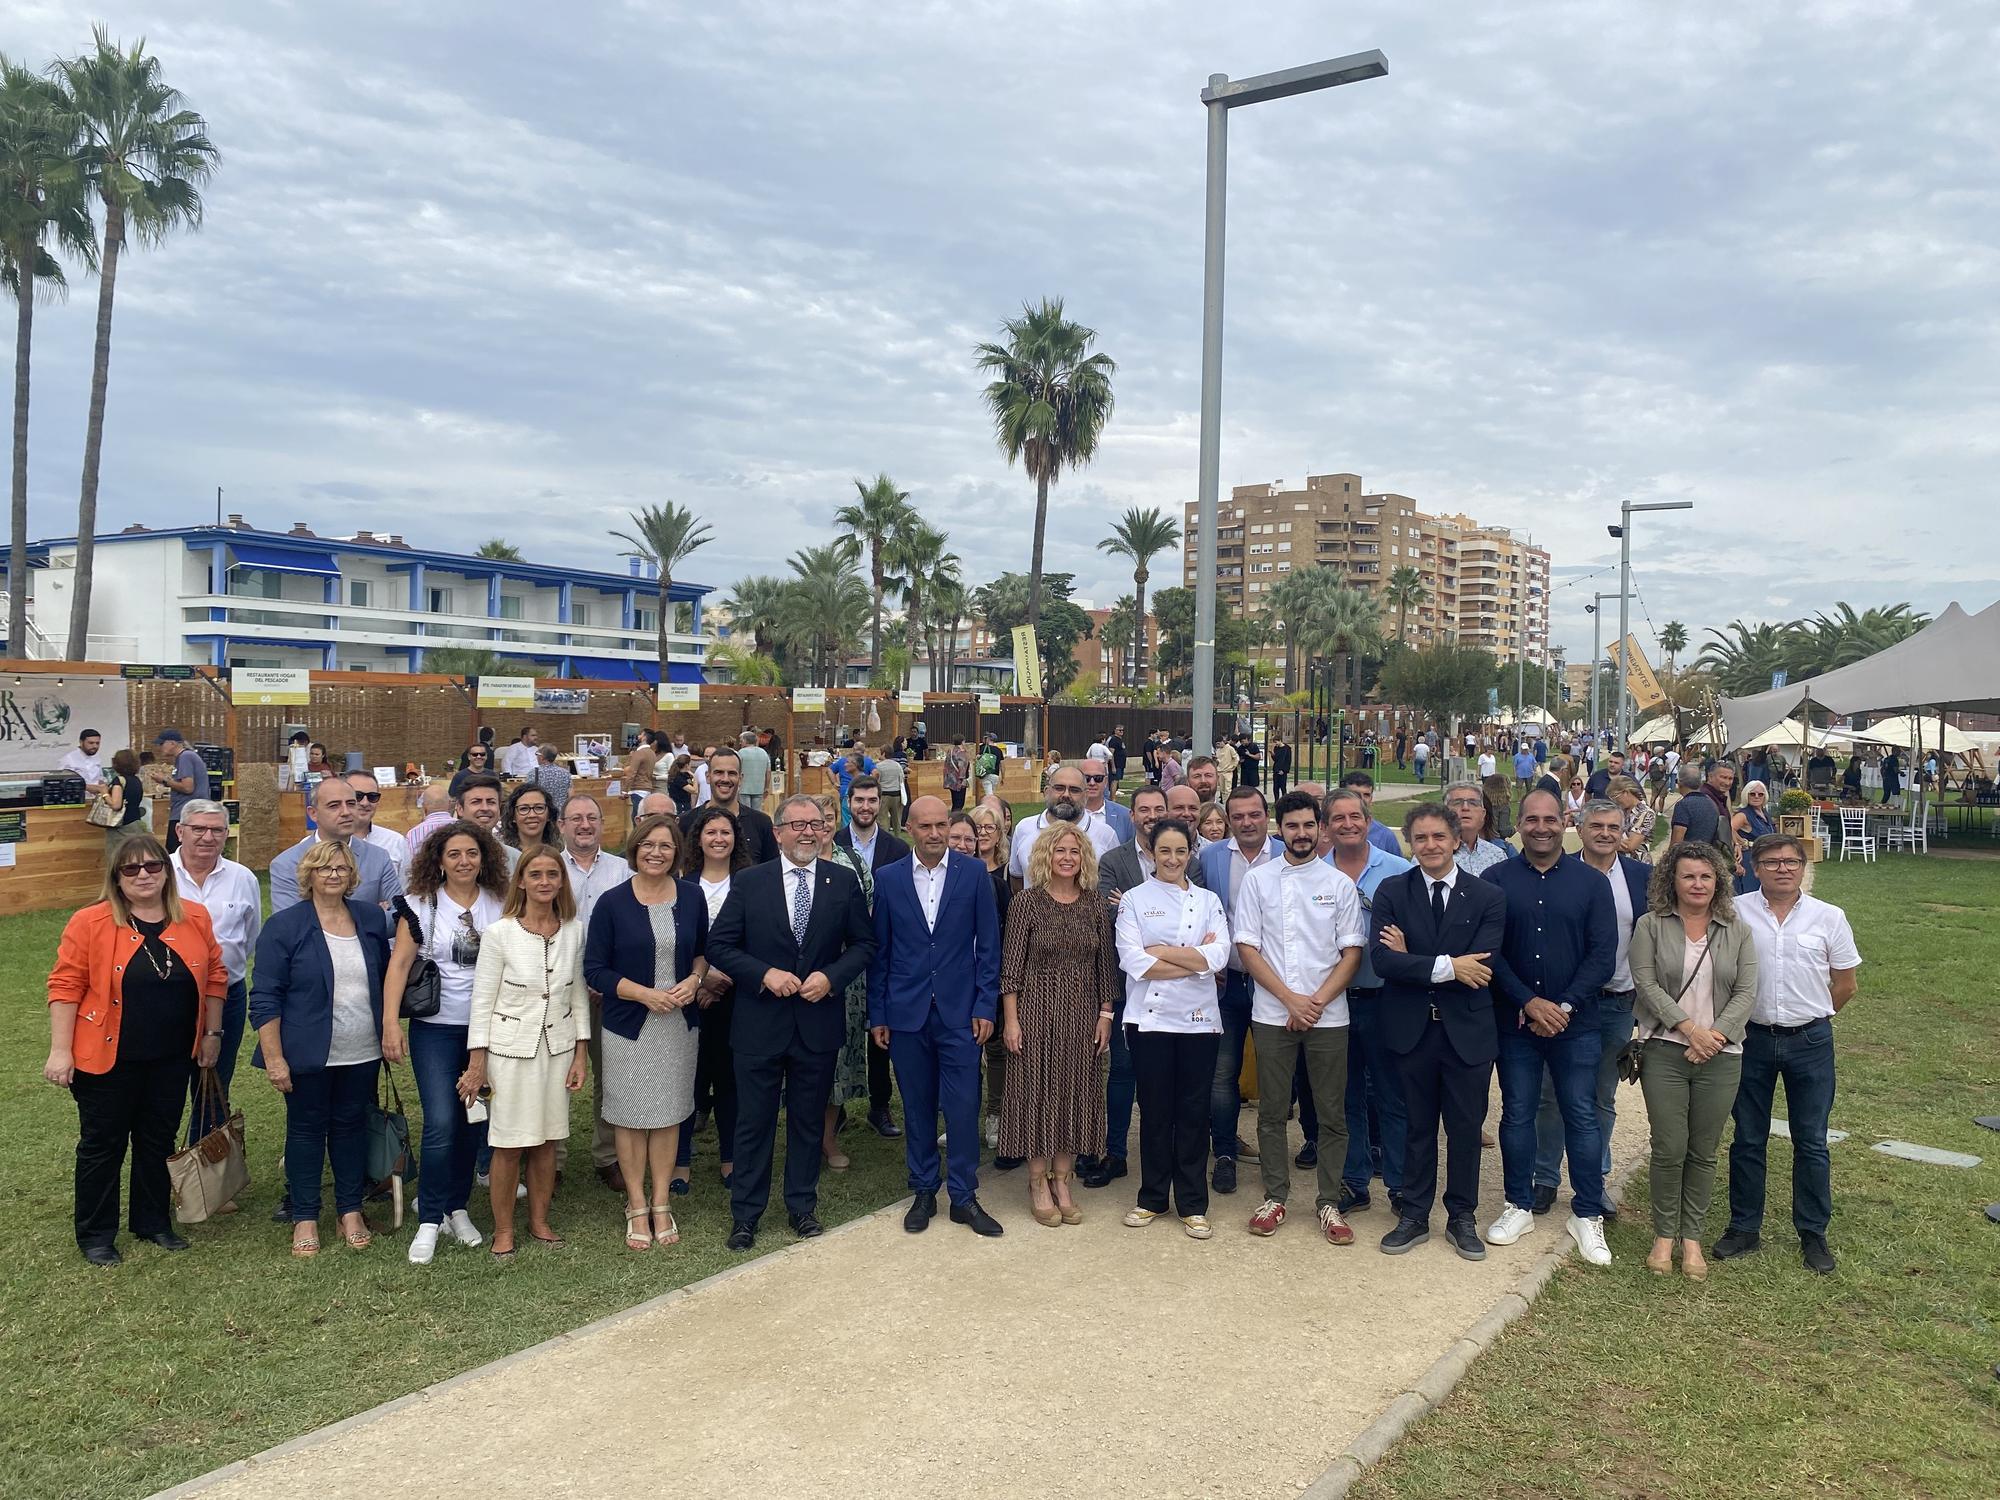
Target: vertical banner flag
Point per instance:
(1027, 663)
(1644, 687)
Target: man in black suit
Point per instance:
(725, 790)
(871, 843)
(1435, 931)
(792, 936)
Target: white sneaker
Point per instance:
(520, 1191)
(460, 1227)
(423, 1245)
(992, 1132)
(482, 1178)
(1589, 1237)
(1511, 1225)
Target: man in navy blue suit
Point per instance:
(1436, 930)
(933, 991)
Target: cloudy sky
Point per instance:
(473, 269)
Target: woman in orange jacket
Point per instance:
(136, 992)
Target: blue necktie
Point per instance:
(801, 907)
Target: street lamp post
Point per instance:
(1623, 531)
(1595, 609)
(1220, 97)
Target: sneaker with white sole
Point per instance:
(458, 1224)
(1511, 1225)
(424, 1243)
(1197, 1226)
(992, 1132)
(1139, 1218)
(1589, 1237)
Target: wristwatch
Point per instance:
(211, 1033)
(1565, 1007)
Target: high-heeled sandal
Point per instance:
(1072, 1214)
(307, 1248)
(671, 1235)
(1051, 1217)
(635, 1238)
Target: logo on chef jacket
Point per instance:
(1157, 911)
(1324, 900)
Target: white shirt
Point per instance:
(1103, 838)
(354, 1039)
(1099, 751)
(1156, 913)
(1488, 765)
(1441, 970)
(1621, 897)
(607, 872)
(930, 886)
(1300, 918)
(715, 892)
(1239, 866)
(235, 908)
(454, 978)
(1795, 957)
(518, 759)
(701, 784)
(792, 884)
(393, 844)
(75, 760)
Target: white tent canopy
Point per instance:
(1954, 662)
(1657, 731)
(1904, 731)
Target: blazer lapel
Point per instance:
(785, 868)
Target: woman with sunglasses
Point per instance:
(137, 990)
(316, 1006)
(1751, 822)
(528, 820)
(457, 880)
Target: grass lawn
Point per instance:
(118, 1383)
(1768, 1380)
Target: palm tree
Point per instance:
(825, 606)
(1673, 641)
(1404, 591)
(1742, 657)
(879, 512)
(1119, 631)
(1141, 535)
(667, 534)
(476, 661)
(746, 666)
(145, 157)
(39, 199)
(500, 549)
(1338, 620)
(1286, 603)
(755, 604)
(949, 603)
(1050, 398)
(916, 551)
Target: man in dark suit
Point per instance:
(933, 992)
(1435, 931)
(792, 936)
(866, 838)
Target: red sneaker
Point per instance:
(1270, 1214)
(1335, 1227)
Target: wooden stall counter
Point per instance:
(59, 862)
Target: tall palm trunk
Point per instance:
(661, 624)
(875, 640)
(1032, 735)
(17, 548)
(78, 646)
(913, 609)
(1138, 673)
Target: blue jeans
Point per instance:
(235, 1006)
(1372, 1077)
(1225, 1094)
(1571, 1057)
(1423, 761)
(1805, 1062)
(326, 1119)
(1614, 1024)
(1120, 1087)
(450, 1142)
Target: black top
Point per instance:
(760, 840)
(133, 807)
(161, 1000)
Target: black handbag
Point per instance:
(423, 991)
(1633, 1052)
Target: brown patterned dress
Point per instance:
(1062, 963)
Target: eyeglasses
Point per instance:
(1781, 864)
(804, 825)
(143, 867)
(367, 796)
(200, 831)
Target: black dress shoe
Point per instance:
(1545, 1198)
(923, 1208)
(103, 1255)
(1008, 1163)
(1464, 1237)
(741, 1236)
(1737, 1242)
(1085, 1165)
(1224, 1180)
(1351, 1201)
(282, 1214)
(1812, 1249)
(1407, 1234)
(884, 1124)
(807, 1226)
(166, 1239)
(1308, 1155)
(1107, 1171)
(981, 1222)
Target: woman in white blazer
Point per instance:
(528, 1038)
(1173, 939)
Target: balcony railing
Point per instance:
(276, 619)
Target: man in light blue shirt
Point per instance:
(1380, 834)
(337, 812)
(1371, 1072)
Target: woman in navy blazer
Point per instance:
(317, 1006)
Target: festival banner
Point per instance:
(40, 718)
(1645, 688)
(506, 692)
(1027, 663)
(260, 687)
(910, 703)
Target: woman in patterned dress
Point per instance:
(850, 1077)
(1058, 980)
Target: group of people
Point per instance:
(127, 785)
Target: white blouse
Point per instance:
(1154, 913)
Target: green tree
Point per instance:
(500, 549)
(879, 512)
(1004, 604)
(1673, 641)
(476, 661)
(1447, 681)
(1173, 617)
(665, 536)
(42, 210)
(755, 604)
(825, 608)
(144, 156)
(1404, 592)
(1119, 631)
(1335, 620)
(1050, 398)
(1741, 657)
(1824, 643)
(918, 554)
(1141, 535)
(744, 664)
(950, 603)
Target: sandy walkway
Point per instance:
(1091, 1361)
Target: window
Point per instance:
(1285, 527)
(359, 592)
(439, 602)
(579, 614)
(510, 606)
(257, 583)
(645, 619)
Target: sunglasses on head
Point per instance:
(143, 867)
